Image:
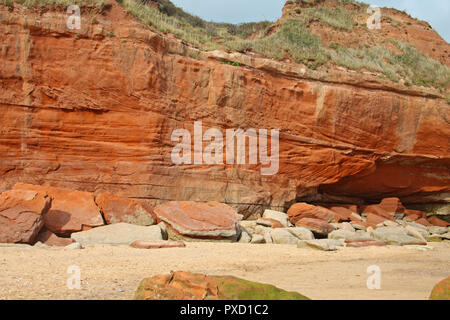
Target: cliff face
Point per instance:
(94, 110)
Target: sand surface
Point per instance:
(114, 272)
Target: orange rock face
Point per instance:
(117, 209)
(71, 211)
(22, 215)
(85, 111)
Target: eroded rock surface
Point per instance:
(90, 112)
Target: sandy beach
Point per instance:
(114, 272)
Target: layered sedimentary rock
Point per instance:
(94, 110)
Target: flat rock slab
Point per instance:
(22, 215)
(71, 211)
(189, 286)
(189, 220)
(117, 209)
(348, 235)
(301, 233)
(396, 238)
(283, 236)
(151, 244)
(304, 210)
(281, 217)
(317, 226)
(321, 244)
(119, 233)
(364, 243)
(50, 239)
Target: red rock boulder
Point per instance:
(22, 215)
(423, 222)
(435, 221)
(392, 205)
(304, 210)
(420, 214)
(373, 220)
(117, 209)
(49, 238)
(190, 286)
(379, 211)
(189, 220)
(317, 226)
(342, 213)
(71, 211)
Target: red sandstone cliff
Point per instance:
(94, 110)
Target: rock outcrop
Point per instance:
(119, 233)
(190, 286)
(188, 220)
(22, 215)
(117, 209)
(71, 210)
(94, 110)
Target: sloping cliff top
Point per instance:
(326, 36)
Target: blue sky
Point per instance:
(436, 12)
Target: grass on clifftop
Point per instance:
(100, 4)
(291, 38)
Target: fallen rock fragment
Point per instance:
(257, 239)
(50, 239)
(71, 211)
(396, 238)
(281, 217)
(152, 244)
(321, 244)
(317, 226)
(303, 210)
(22, 214)
(190, 286)
(117, 209)
(118, 233)
(441, 291)
(435, 221)
(195, 221)
(364, 243)
(348, 235)
(283, 236)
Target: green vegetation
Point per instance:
(441, 291)
(99, 4)
(290, 38)
(411, 64)
(232, 288)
